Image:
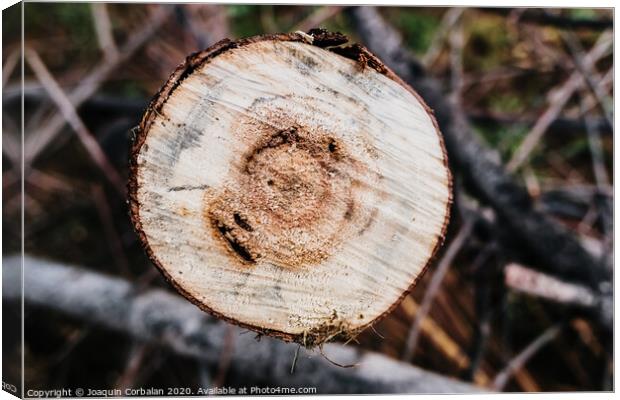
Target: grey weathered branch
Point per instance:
(555, 249)
(159, 316)
(502, 378)
(535, 283)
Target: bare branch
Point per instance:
(70, 114)
(557, 99)
(457, 42)
(9, 66)
(589, 74)
(538, 284)
(319, 16)
(563, 125)
(524, 356)
(113, 238)
(450, 18)
(437, 335)
(103, 28)
(91, 83)
(47, 181)
(159, 316)
(433, 287)
(596, 148)
(605, 84)
(207, 23)
(551, 246)
(135, 360)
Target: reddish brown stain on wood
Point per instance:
(292, 199)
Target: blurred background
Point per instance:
(534, 88)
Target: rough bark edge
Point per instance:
(322, 39)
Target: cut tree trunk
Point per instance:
(290, 185)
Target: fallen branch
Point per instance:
(9, 66)
(573, 203)
(557, 99)
(159, 316)
(448, 21)
(91, 83)
(534, 283)
(103, 28)
(589, 74)
(439, 274)
(596, 149)
(524, 356)
(67, 110)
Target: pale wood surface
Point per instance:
(286, 188)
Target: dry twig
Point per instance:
(103, 28)
(538, 284)
(9, 66)
(449, 20)
(70, 114)
(451, 252)
(596, 148)
(225, 357)
(552, 246)
(589, 74)
(318, 17)
(91, 83)
(107, 220)
(437, 335)
(457, 41)
(557, 99)
(502, 378)
(135, 360)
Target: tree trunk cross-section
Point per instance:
(290, 185)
